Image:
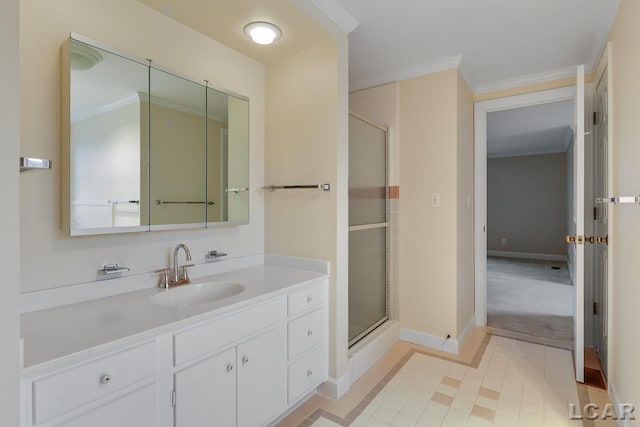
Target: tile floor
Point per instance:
(496, 381)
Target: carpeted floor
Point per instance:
(529, 297)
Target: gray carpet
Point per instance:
(529, 297)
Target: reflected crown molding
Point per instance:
(156, 100)
(143, 97)
(83, 115)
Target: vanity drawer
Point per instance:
(305, 300)
(222, 332)
(307, 372)
(305, 333)
(70, 389)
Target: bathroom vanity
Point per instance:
(237, 348)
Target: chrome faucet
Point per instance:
(179, 274)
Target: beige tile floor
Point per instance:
(495, 381)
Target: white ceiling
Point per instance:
(225, 20)
(539, 129)
(498, 41)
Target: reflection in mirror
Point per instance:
(148, 149)
(238, 161)
(177, 152)
(217, 146)
(227, 158)
(105, 140)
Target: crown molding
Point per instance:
(527, 80)
(105, 108)
(173, 105)
(467, 75)
(602, 34)
(337, 14)
(430, 68)
(143, 97)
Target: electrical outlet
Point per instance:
(435, 200)
(503, 242)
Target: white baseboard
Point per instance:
(616, 404)
(335, 388)
(367, 352)
(422, 338)
(528, 255)
(464, 335)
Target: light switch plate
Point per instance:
(435, 200)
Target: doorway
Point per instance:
(529, 201)
(575, 251)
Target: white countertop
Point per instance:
(57, 332)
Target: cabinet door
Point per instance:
(206, 392)
(135, 409)
(261, 378)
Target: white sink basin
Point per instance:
(197, 293)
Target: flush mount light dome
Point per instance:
(262, 32)
(83, 57)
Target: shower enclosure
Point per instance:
(368, 227)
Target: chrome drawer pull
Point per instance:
(105, 379)
(309, 332)
(229, 368)
(309, 373)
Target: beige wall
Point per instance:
(465, 215)
(527, 204)
(428, 164)
(9, 212)
(302, 147)
(178, 165)
(50, 258)
(624, 291)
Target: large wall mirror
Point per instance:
(147, 149)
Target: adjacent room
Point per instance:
(529, 194)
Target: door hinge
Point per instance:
(173, 398)
(595, 213)
(595, 307)
(596, 118)
(578, 240)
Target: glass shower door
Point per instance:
(368, 228)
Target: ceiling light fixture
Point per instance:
(83, 57)
(262, 32)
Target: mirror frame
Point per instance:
(65, 164)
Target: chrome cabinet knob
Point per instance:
(230, 367)
(309, 373)
(105, 379)
(309, 300)
(245, 360)
(309, 332)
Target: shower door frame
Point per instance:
(386, 225)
